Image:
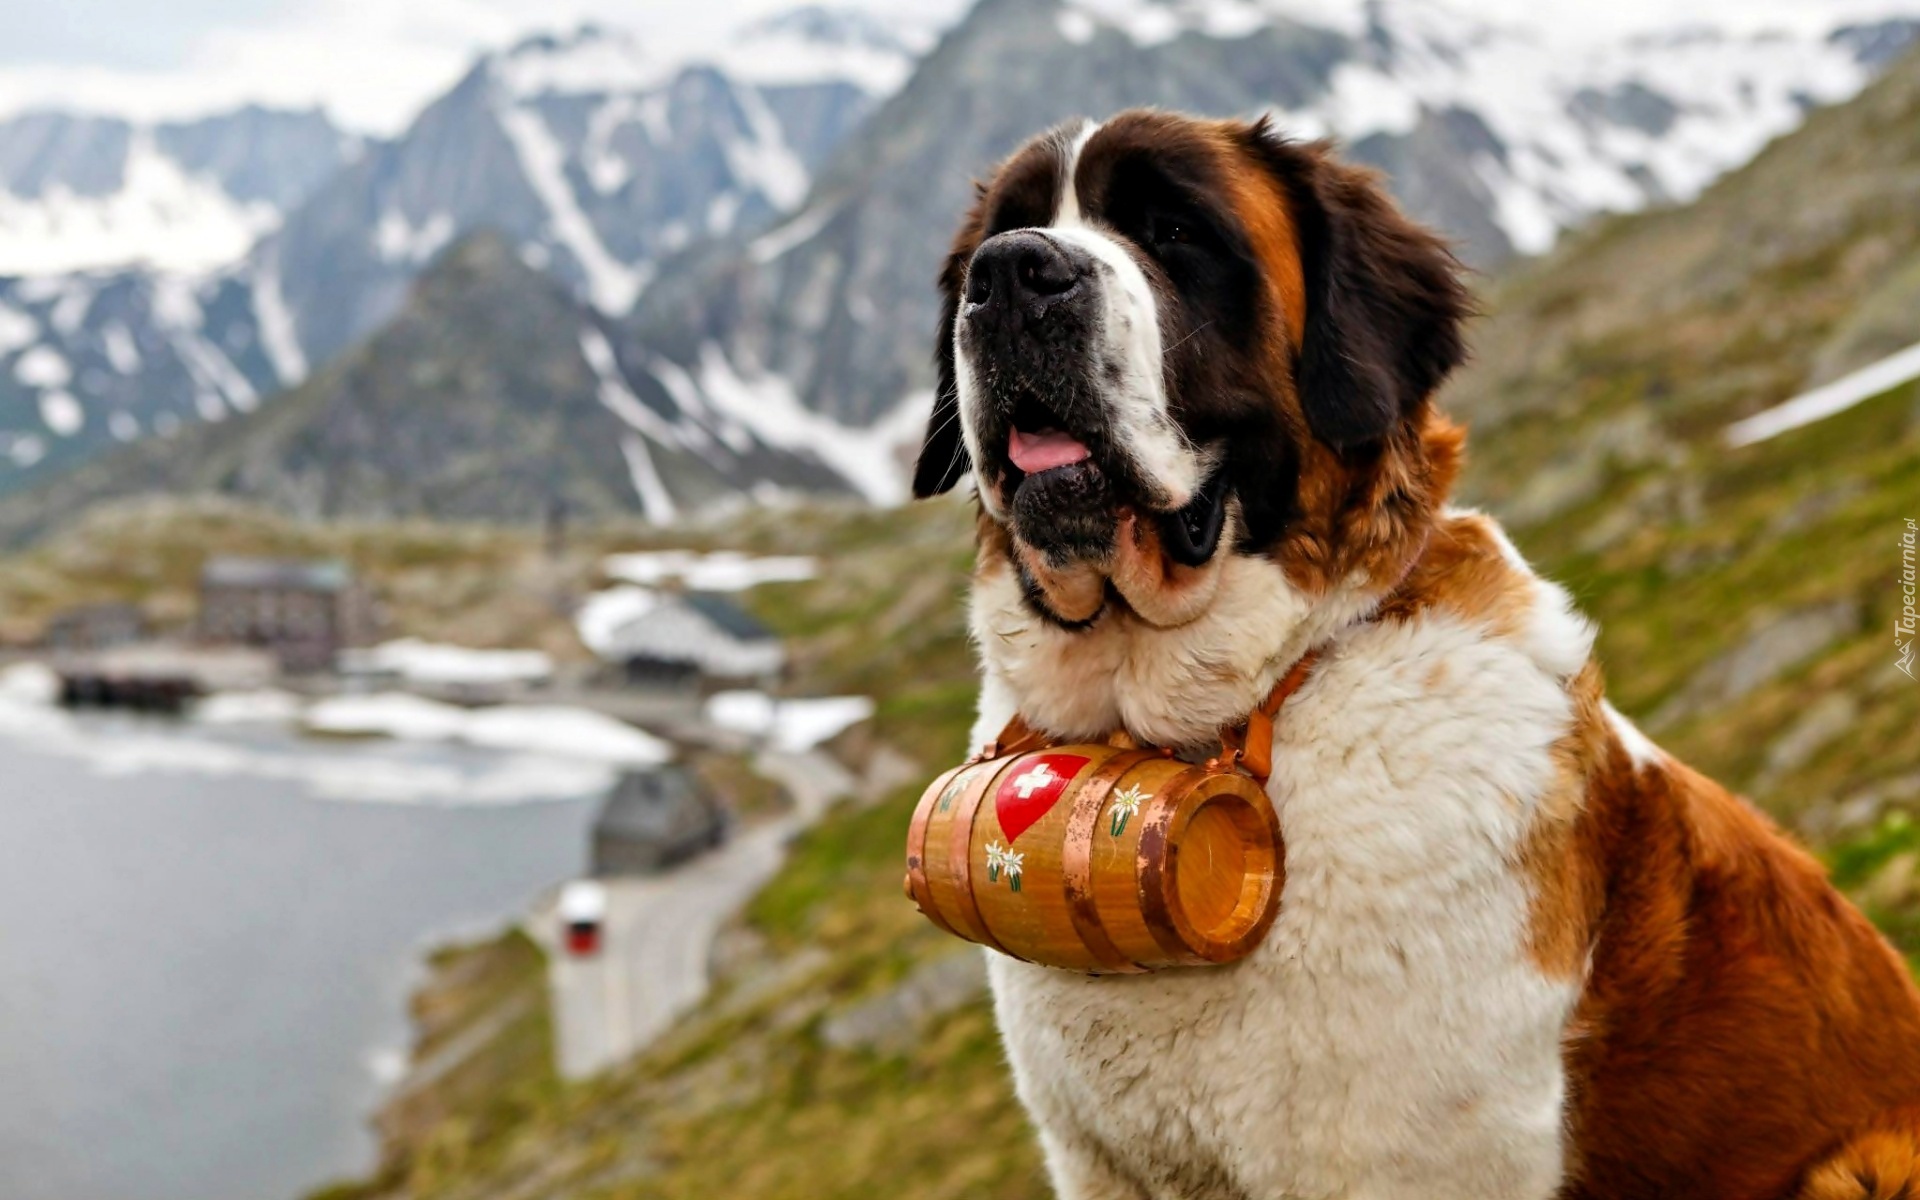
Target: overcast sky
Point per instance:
(372, 63)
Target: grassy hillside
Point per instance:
(1746, 597)
(1619, 356)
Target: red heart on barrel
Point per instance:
(1031, 789)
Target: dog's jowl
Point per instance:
(1520, 952)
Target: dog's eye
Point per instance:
(1170, 231)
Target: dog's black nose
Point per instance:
(1023, 270)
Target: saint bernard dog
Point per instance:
(1521, 952)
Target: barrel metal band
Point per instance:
(917, 885)
(960, 847)
(1077, 858)
(1153, 876)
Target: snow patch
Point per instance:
(122, 351)
(279, 336)
(614, 394)
(556, 731)
(567, 733)
(397, 240)
(435, 663)
(611, 284)
(1077, 27)
(17, 329)
(362, 775)
(606, 171)
(70, 311)
(214, 373)
(765, 162)
(686, 396)
(1822, 402)
(791, 726)
(655, 501)
(161, 216)
(720, 571)
(265, 706)
(62, 413)
(767, 405)
(723, 208)
(43, 367)
(591, 61)
(387, 714)
(29, 683)
(26, 450)
(603, 613)
(1532, 78)
(785, 238)
(819, 45)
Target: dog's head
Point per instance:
(1167, 342)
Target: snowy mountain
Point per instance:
(493, 394)
(1557, 130)
(84, 193)
(592, 155)
(89, 361)
(753, 230)
(119, 316)
(1502, 135)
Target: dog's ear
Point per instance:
(943, 456)
(1385, 300)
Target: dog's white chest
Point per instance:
(1391, 1037)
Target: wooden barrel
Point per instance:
(1098, 858)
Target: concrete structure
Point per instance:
(159, 676)
(304, 613)
(692, 638)
(653, 819)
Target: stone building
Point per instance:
(653, 819)
(304, 613)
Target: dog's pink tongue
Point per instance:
(1043, 451)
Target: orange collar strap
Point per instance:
(1248, 745)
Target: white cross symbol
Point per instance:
(1035, 779)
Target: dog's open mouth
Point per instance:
(1067, 504)
(1045, 450)
(1038, 440)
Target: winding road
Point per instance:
(657, 940)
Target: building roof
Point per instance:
(311, 575)
(728, 617)
(656, 804)
(707, 631)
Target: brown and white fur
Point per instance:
(1521, 951)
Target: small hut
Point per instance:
(692, 638)
(653, 819)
